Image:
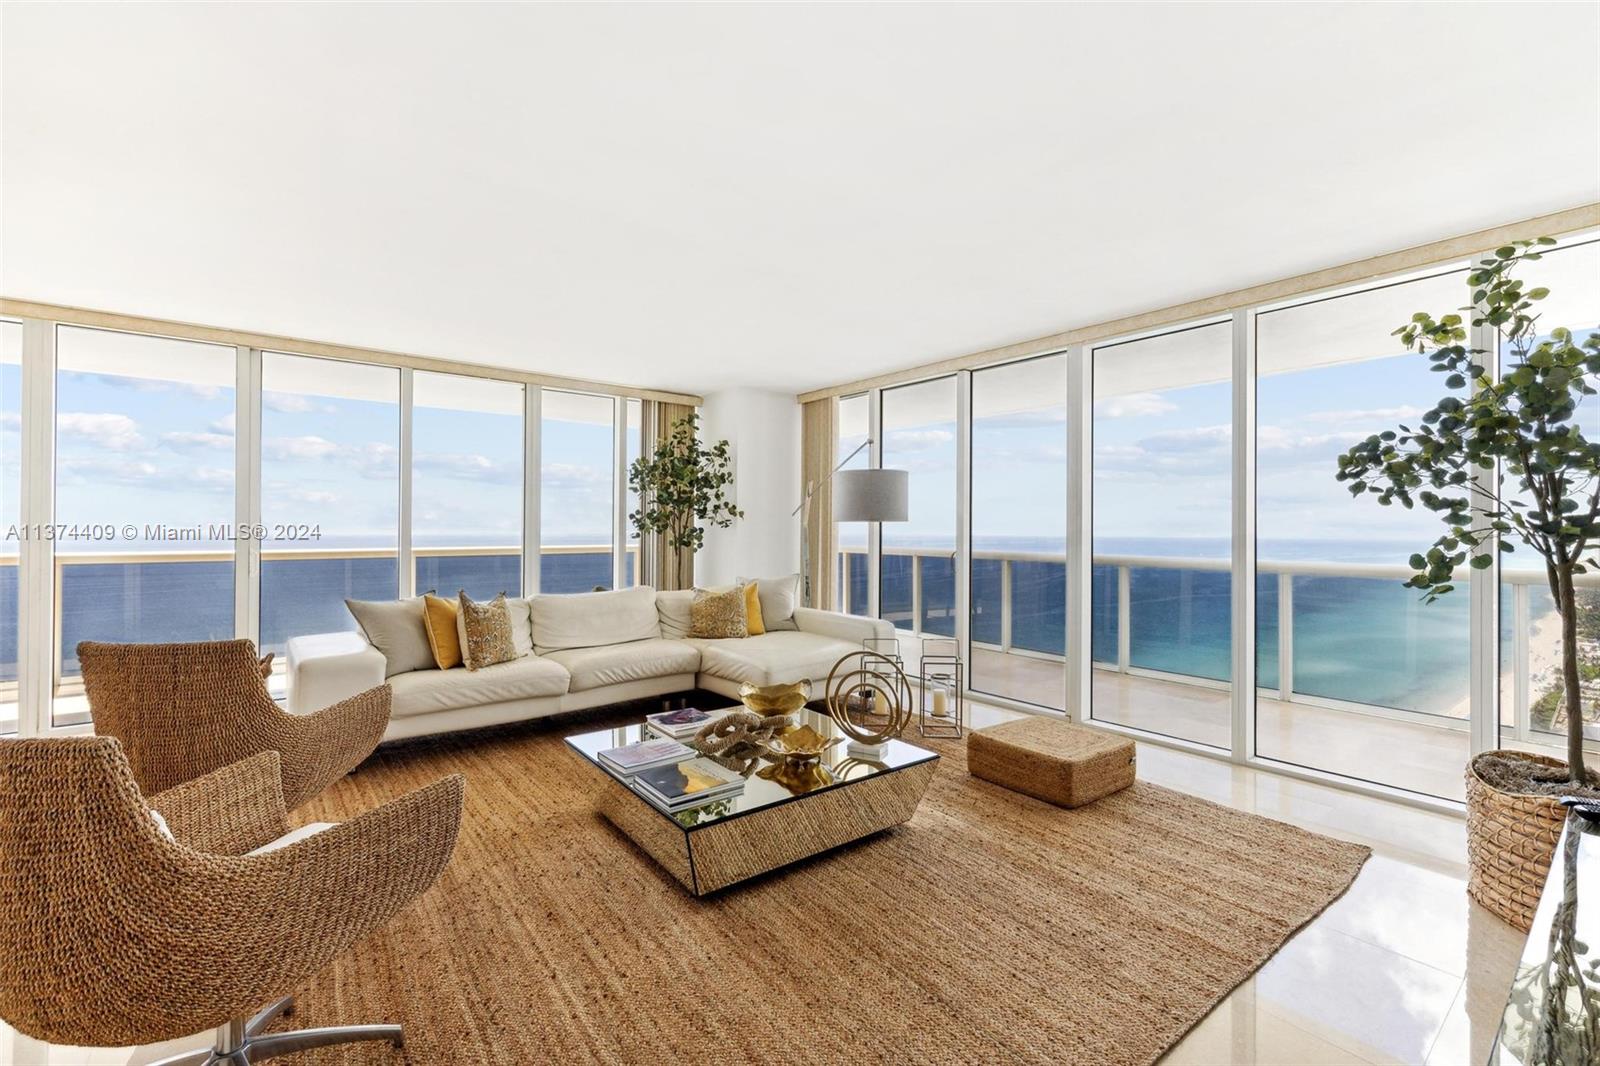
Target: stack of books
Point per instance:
(683, 723)
(688, 784)
(643, 755)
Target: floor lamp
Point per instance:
(859, 496)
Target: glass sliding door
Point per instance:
(466, 485)
(1019, 531)
(630, 541)
(330, 492)
(1369, 681)
(916, 567)
(1532, 701)
(577, 496)
(1162, 583)
(144, 495)
(10, 515)
(851, 573)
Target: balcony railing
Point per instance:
(188, 595)
(1170, 619)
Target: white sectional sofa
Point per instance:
(587, 650)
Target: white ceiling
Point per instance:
(781, 196)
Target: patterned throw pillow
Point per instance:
(719, 614)
(486, 632)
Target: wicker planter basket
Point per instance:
(1510, 841)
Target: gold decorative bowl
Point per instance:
(800, 744)
(767, 700)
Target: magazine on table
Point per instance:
(682, 723)
(644, 755)
(688, 783)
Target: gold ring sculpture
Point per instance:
(869, 697)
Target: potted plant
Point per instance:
(1547, 500)
(680, 485)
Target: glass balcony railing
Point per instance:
(1342, 636)
(182, 596)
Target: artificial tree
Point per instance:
(680, 485)
(1523, 424)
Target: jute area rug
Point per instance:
(990, 928)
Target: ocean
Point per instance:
(1359, 639)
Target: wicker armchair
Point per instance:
(111, 934)
(182, 710)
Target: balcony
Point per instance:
(179, 596)
(1354, 674)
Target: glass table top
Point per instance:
(766, 782)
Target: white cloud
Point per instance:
(310, 496)
(911, 440)
(570, 474)
(10, 420)
(1133, 405)
(226, 424)
(467, 466)
(1375, 414)
(114, 432)
(291, 449)
(289, 403)
(186, 441)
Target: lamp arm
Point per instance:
(811, 489)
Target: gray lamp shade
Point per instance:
(871, 496)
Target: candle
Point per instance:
(941, 706)
(880, 703)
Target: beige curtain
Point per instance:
(664, 566)
(818, 435)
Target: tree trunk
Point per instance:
(1569, 677)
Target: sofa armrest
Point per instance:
(328, 667)
(849, 627)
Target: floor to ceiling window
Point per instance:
(330, 492)
(577, 493)
(917, 567)
(1018, 585)
(632, 571)
(851, 573)
(1532, 701)
(1371, 682)
(466, 485)
(144, 495)
(10, 515)
(1161, 597)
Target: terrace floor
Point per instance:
(1416, 755)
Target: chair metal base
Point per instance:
(240, 1043)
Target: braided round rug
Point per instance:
(990, 928)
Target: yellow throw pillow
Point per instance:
(439, 618)
(752, 611)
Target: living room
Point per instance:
(668, 532)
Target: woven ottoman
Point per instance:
(1068, 765)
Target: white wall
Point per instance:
(764, 430)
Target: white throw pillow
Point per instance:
(594, 619)
(521, 626)
(779, 597)
(673, 609)
(161, 826)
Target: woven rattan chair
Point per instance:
(111, 934)
(183, 710)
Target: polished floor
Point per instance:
(1414, 754)
(1402, 969)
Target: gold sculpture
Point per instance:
(768, 700)
(869, 697)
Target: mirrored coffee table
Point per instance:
(772, 823)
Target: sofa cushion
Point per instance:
(779, 597)
(395, 627)
(638, 660)
(592, 619)
(673, 610)
(426, 691)
(521, 626)
(773, 658)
